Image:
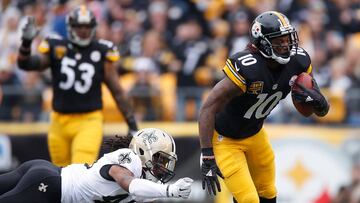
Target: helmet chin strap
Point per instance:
(81, 42)
(278, 59)
(77, 40)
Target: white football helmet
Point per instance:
(157, 152)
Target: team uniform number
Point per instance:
(81, 86)
(259, 108)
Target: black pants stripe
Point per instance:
(35, 181)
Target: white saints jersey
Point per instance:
(87, 184)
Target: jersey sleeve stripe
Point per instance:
(44, 47)
(228, 72)
(231, 67)
(309, 69)
(113, 56)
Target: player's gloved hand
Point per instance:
(312, 97)
(29, 31)
(181, 188)
(210, 171)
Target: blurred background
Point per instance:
(172, 53)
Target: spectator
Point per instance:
(191, 48)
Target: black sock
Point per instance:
(263, 200)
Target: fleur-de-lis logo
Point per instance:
(42, 187)
(150, 137)
(124, 158)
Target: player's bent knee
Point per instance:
(247, 198)
(268, 193)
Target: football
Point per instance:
(306, 80)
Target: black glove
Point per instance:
(312, 97)
(210, 171)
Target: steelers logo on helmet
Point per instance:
(256, 29)
(81, 26)
(276, 37)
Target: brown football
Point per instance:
(306, 80)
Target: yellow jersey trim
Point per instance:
(233, 77)
(233, 69)
(113, 56)
(44, 47)
(309, 69)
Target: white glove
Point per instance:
(29, 30)
(180, 188)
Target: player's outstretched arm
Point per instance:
(148, 189)
(221, 94)
(112, 82)
(24, 59)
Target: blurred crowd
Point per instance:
(173, 51)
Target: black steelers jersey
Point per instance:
(263, 88)
(77, 73)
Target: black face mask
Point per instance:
(162, 166)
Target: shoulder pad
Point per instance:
(302, 58)
(49, 41)
(54, 36)
(112, 53)
(235, 65)
(107, 43)
(127, 158)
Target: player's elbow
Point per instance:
(29, 63)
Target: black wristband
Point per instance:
(26, 43)
(207, 151)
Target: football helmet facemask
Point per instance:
(271, 25)
(79, 17)
(157, 152)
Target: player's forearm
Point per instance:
(29, 62)
(122, 103)
(127, 111)
(26, 61)
(148, 189)
(206, 126)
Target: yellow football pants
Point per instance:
(248, 166)
(75, 138)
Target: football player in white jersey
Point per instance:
(136, 173)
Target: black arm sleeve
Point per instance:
(29, 63)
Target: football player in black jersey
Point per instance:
(78, 65)
(233, 141)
